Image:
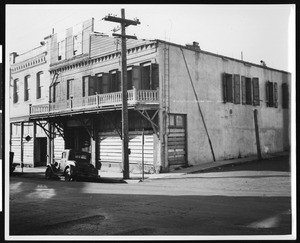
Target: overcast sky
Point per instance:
(261, 32)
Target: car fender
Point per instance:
(69, 163)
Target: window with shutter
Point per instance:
(272, 94)
(229, 88)
(85, 81)
(275, 95)
(136, 77)
(237, 99)
(224, 87)
(146, 76)
(248, 91)
(285, 96)
(115, 81)
(267, 94)
(243, 90)
(255, 85)
(155, 76)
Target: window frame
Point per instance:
(70, 87)
(16, 90)
(174, 117)
(39, 85)
(26, 88)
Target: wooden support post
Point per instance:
(257, 135)
(22, 145)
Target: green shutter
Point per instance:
(237, 99)
(255, 85)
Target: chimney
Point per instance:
(12, 57)
(194, 46)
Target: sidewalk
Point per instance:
(39, 172)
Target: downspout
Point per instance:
(210, 144)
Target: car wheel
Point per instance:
(68, 174)
(48, 173)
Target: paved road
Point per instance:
(248, 199)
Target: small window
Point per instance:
(285, 96)
(77, 44)
(271, 94)
(26, 88)
(61, 50)
(177, 120)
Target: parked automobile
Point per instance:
(72, 165)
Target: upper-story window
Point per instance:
(236, 86)
(16, 91)
(26, 87)
(61, 50)
(39, 85)
(271, 94)
(77, 44)
(70, 88)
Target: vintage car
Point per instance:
(72, 165)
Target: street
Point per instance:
(248, 199)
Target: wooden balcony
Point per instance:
(136, 98)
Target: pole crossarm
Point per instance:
(125, 36)
(127, 22)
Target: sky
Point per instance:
(259, 32)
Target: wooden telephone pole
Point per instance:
(124, 23)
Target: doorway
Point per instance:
(40, 152)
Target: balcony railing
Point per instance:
(97, 101)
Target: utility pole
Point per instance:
(124, 23)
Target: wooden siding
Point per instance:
(16, 148)
(177, 147)
(110, 148)
(59, 145)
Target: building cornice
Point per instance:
(29, 63)
(85, 60)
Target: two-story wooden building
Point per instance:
(191, 105)
(29, 84)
